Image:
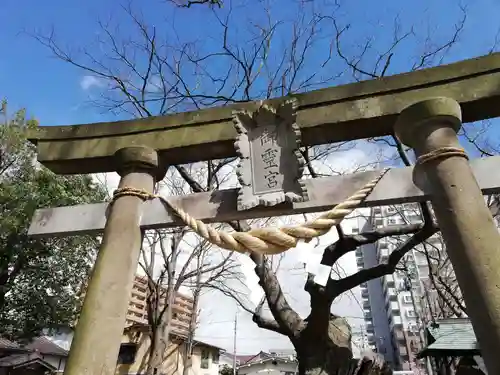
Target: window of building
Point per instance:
(414, 219)
(126, 355)
(420, 258)
(215, 357)
(289, 373)
(205, 355)
(410, 313)
(407, 299)
(423, 270)
(409, 206)
(413, 328)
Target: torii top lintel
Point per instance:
(354, 111)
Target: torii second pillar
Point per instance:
(469, 232)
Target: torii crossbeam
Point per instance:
(220, 206)
(406, 104)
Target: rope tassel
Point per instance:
(266, 240)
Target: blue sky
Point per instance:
(57, 93)
(52, 90)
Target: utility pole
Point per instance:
(234, 342)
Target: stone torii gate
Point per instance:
(424, 109)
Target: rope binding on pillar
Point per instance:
(443, 152)
(264, 240)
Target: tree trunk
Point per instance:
(330, 354)
(160, 336)
(159, 346)
(314, 365)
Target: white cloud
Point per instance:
(87, 82)
(361, 156)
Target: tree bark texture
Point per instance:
(328, 352)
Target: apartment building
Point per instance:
(137, 312)
(392, 304)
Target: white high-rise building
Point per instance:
(392, 304)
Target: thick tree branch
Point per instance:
(269, 324)
(351, 242)
(286, 317)
(380, 270)
(265, 323)
(345, 244)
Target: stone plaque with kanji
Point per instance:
(271, 164)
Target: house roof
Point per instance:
(145, 328)
(240, 359)
(45, 346)
(451, 336)
(283, 352)
(266, 360)
(245, 358)
(23, 360)
(142, 327)
(198, 342)
(40, 344)
(7, 344)
(262, 356)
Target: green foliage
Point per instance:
(40, 279)
(226, 370)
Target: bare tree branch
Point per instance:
(190, 3)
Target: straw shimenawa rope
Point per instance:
(265, 240)
(443, 152)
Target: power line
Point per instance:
(234, 342)
(240, 338)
